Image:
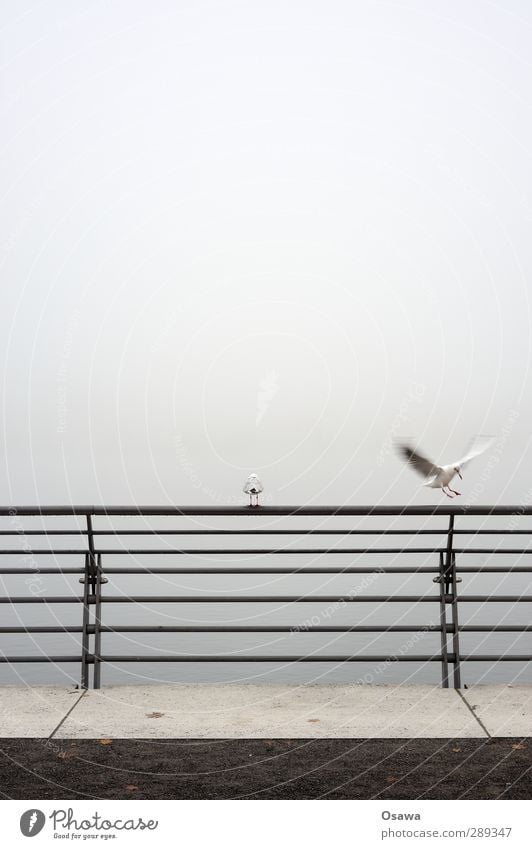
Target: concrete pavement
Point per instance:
(264, 711)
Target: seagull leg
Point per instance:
(455, 491)
(446, 493)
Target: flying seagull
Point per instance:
(439, 477)
(253, 487)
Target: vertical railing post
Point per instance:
(449, 554)
(85, 628)
(95, 577)
(451, 588)
(443, 626)
(456, 628)
(92, 553)
(97, 625)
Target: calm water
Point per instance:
(296, 615)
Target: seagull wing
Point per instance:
(477, 447)
(419, 462)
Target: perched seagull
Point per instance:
(253, 487)
(439, 477)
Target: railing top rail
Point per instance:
(269, 510)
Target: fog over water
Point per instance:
(265, 237)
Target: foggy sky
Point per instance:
(270, 237)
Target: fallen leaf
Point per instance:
(131, 787)
(391, 779)
(105, 742)
(518, 745)
(312, 720)
(456, 749)
(66, 755)
(154, 715)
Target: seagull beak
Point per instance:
(459, 474)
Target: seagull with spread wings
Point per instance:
(439, 477)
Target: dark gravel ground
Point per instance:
(266, 769)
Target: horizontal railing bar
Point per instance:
(220, 658)
(495, 658)
(297, 510)
(303, 570)
(41, 629)
(354, 658)
(54, 551)
(488, 628)
(487, 658)
(217, 551)
(202, 551)
(312, 599)
(219, 629)
(68, 570)
(306, 570)
(303, 532)
(67, 658)
(262, 551)
(335, 658)
(494, 569)
(47, 533)
(52, 599)
(254, 599)
(499, 531)
(363, 629)
(118, 532)
(199, 599)
(234, 599)
(281, 570)
(263, 629)
(492, 550)
(269, 532)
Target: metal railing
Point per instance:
(96, 563)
